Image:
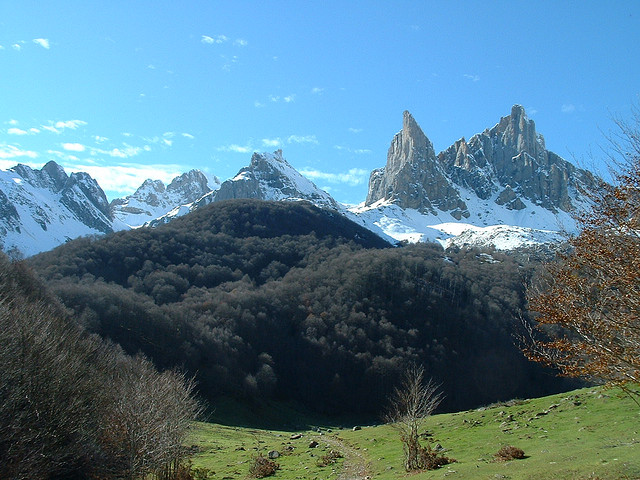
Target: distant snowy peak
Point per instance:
(152, 199)
(505, 164)
(270, 177)
(267, 177)
(40, 209)
(501, 177)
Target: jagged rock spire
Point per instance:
(412, 177)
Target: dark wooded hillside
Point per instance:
(281, 300)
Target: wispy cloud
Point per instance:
(353, 177)
(43, 42)
(290, 98)
(358, 151)
(16, 47)
(17, 131)
(11, 151)
(241, 42)
(236, 148)
(568, 108)
(59, 126)
(218, 39)
(74, 147)
(473, 78)
(271, 142)
(302, 139)
(317, 90)
(355, 130)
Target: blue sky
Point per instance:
(129, 90)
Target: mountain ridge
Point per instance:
(503, 176)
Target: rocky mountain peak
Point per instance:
(270, 177)
(506, 165)
(56, 173)
(413, 177)
(518, 132)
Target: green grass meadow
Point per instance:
(591, 433)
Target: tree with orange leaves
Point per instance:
(587, 303)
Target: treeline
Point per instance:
(287, 301)
(73, 406)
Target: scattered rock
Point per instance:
(313, 444)
(356, 428)
(273, 454)
(296, 436)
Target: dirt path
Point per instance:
(355, 465)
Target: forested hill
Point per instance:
(284, 300)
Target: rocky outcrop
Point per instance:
(39, 209)
(412, 177)
(507, 164)
(270, 177)
(153, 199)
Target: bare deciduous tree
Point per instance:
(410, 404)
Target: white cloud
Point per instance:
(317, 90)
(125, 152)
(43, 42)
(235, 148)
(290, 98)
(241, 42)
(473, 78)
(1, 47)
(74, 147)
(61, 125)
(100, 139)
(568, 108)
(11, 151)
(353, 177)
(16, 46)
(218, 39)
(258, 104)
(17, 131)
(302, 139)
(358, 151)
(271, 142)
(274, 98)
(188, 135)
(355, 130)
(124, 178)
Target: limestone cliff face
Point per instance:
(508, 163)
(413, 178)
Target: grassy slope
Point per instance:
(589, 433)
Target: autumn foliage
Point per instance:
(588, 302)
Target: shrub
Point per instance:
(262, 467)
(509, 452)
(428, 459)
(329, 459)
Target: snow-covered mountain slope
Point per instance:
(501, 189)
(40, 209)
(152, 199)
(268, 177)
